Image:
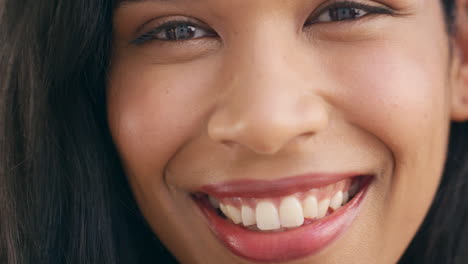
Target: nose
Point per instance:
(267, 101)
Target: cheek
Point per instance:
(399, 95)
(153, 110)
(403, 100)
(396, 87)
(400, 99)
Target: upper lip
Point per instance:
(271, 188)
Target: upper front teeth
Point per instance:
(290, 211)
(267, 216)
(234, 214)
(248, 216)
(310, 206)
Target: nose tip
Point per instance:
(270, 96)
(267, 130)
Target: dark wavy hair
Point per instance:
(64, 197)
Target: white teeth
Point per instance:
(224, 210)
(248, 216)
(290, 212)
(286, 212)
(310, 207)
(345, 197)
(336, 200)
(234, 214)
(214, 202)
(323, 208)
(267, 216)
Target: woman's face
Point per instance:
(278, 110)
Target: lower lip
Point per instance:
(287, 245)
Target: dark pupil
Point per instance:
(180, 32)
(343, 13)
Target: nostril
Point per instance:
(264, 129)
(228, 143)
(308, 134)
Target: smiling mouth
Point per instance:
(284, 213)
(282, 220)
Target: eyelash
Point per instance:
(152, 34)
(169, 27)
(336, 6)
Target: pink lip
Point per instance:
(273, 188)
(282, 246)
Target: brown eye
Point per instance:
(180, 32)
(341, 13)
(175, 31)
(347, 10)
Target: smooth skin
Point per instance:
(272, 96)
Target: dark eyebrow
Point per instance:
(127, 2)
